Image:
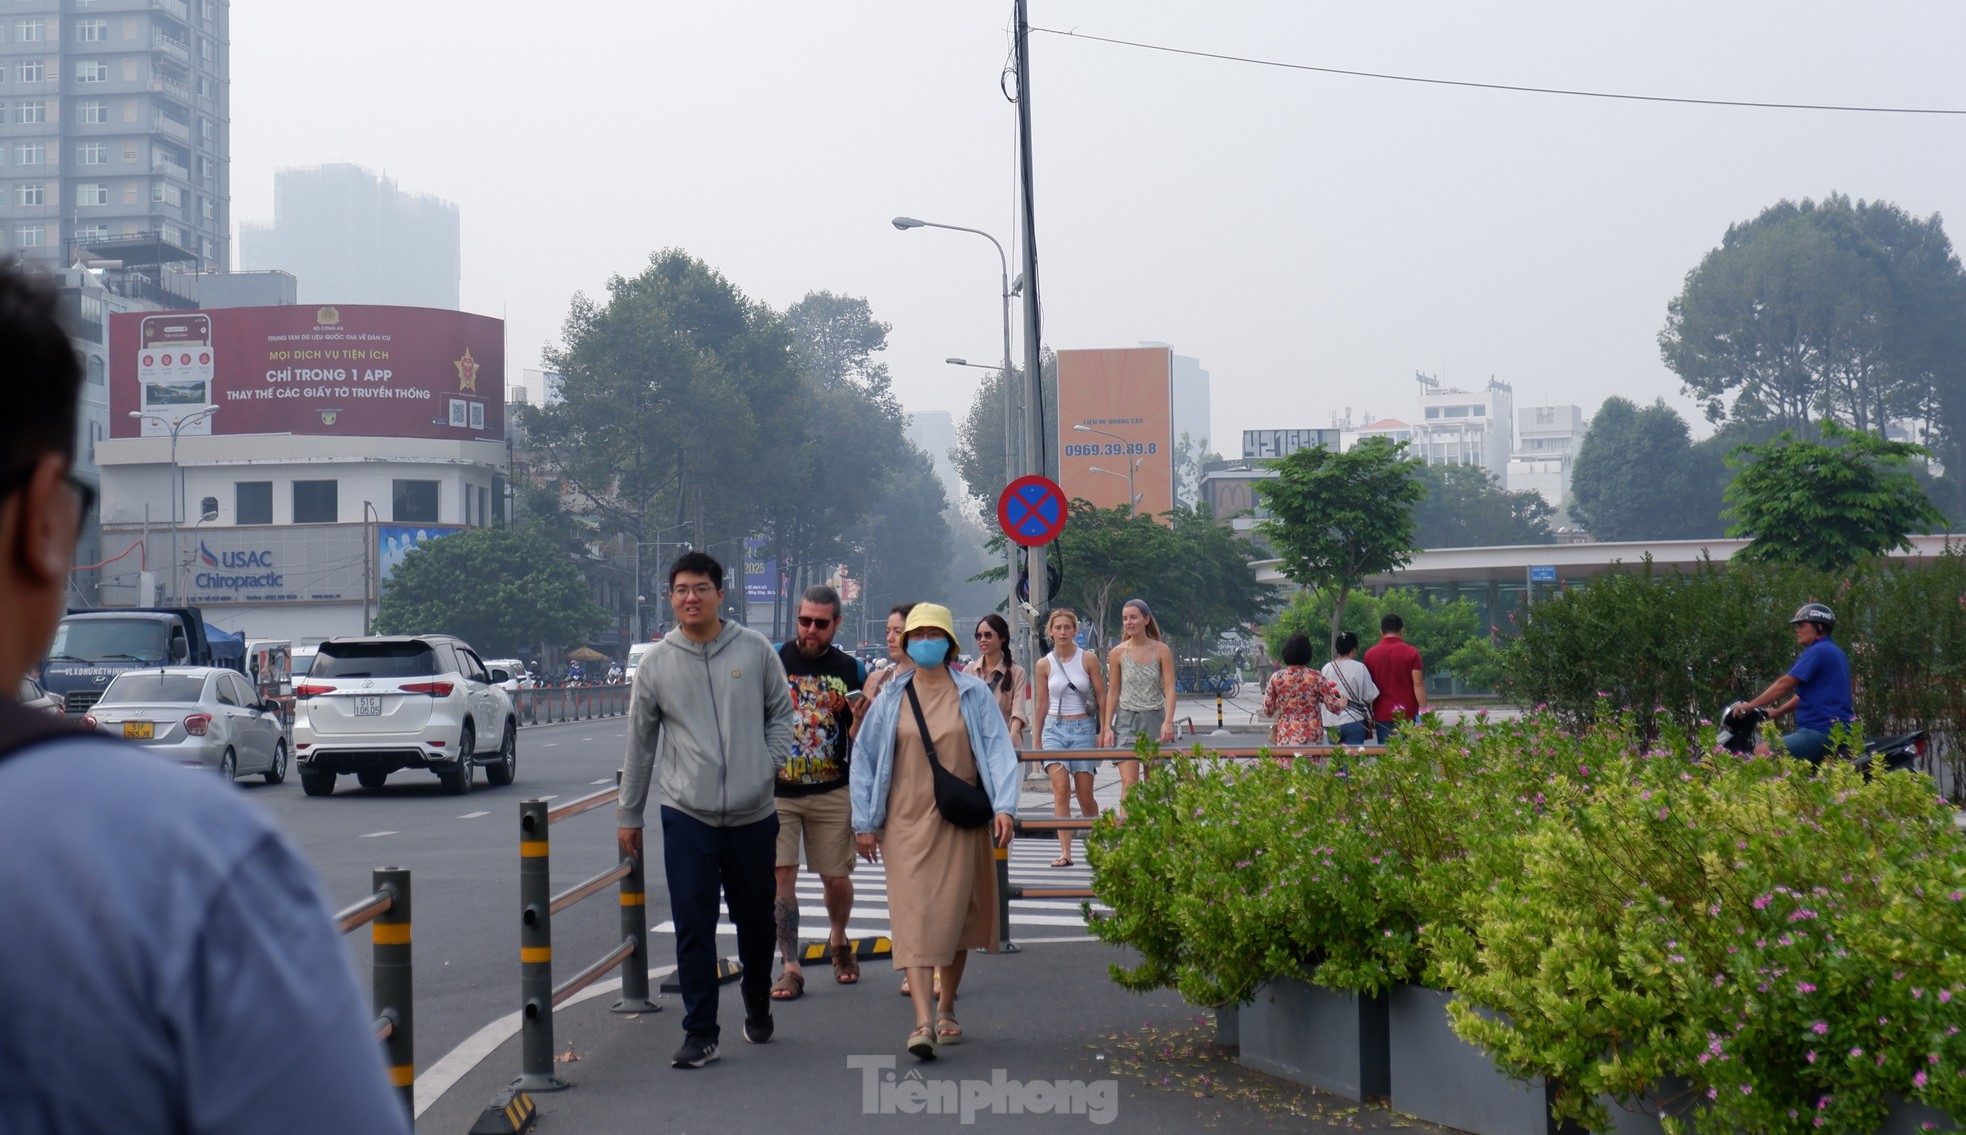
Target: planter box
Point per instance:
(1904, 1118)
(1443, 1079)
(1334, 1042)
(1227, 1027)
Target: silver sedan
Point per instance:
(196, 715)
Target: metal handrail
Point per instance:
(537, 906)
(580, 891)
(588, 976)
(586, 803)
(360, 914)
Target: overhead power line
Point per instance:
(1494, 86)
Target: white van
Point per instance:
(635, 653)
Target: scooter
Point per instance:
(1898, 752)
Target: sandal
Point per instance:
(947, 1031)
(1062, 861)
(789, 987)
(938, 986)
(846, 965)
(921, 1042)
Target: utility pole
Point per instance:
(1035, 457)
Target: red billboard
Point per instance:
(356, 370)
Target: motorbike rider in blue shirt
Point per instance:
(1817, 687)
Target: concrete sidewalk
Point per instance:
(1045, 1023)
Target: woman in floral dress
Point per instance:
(1295, 697)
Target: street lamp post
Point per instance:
(1028, 633)
(371, 558)
(1126, 447)
(1132, 498)
(635, 620)
(177, 477)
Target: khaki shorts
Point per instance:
(825, 821)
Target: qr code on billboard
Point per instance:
(460, 413)
(477, 415)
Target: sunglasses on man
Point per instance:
(815, 624)
(85, 493)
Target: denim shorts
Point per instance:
(1072, 733)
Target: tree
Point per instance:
(666, 389)
(1339, 517)
(1449, 636)
(1191, 457)
(1826, 504)
(1466, 507)
(835, 464)
(499, 589)
(1637, 477)
(1844, 310)
(1207, 585)
(979, 452)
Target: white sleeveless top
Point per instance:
(1065, 703)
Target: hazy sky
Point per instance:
(1313, 239)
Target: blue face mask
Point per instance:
(928, 651)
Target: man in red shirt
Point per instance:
(1396, 670)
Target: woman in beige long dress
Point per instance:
(941, 879)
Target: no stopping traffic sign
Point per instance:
(1031, 511)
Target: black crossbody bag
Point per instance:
(961, 803)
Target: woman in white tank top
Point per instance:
(1068, 715)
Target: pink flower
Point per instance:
(1810, 1056)
(1747, 1089)
(1918, 1081)
(1856, 1052)
(1804, 987)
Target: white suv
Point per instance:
(376, 704)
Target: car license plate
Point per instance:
(139, 730)
(368, 706)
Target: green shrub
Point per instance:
(1788, 943)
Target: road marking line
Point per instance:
(473, 815)
(555, 797)
(374, 835)
(454, 1065)
(603, 780)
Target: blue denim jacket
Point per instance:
(873, 751)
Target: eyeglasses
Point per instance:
(85, 493)
(815, 624)
(695, 591)
(981, 635)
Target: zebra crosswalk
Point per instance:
(1030, 866)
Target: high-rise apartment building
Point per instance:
(354, 236)
(115, 132)
(934, 433)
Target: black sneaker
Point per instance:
(698, 1049)
(757, 1018)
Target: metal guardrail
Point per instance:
(548, 705)
(537, 906)
(386, 913)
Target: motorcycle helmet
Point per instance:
(1823, 617)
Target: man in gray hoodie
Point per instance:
(714, 697)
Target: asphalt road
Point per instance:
(464, 857)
